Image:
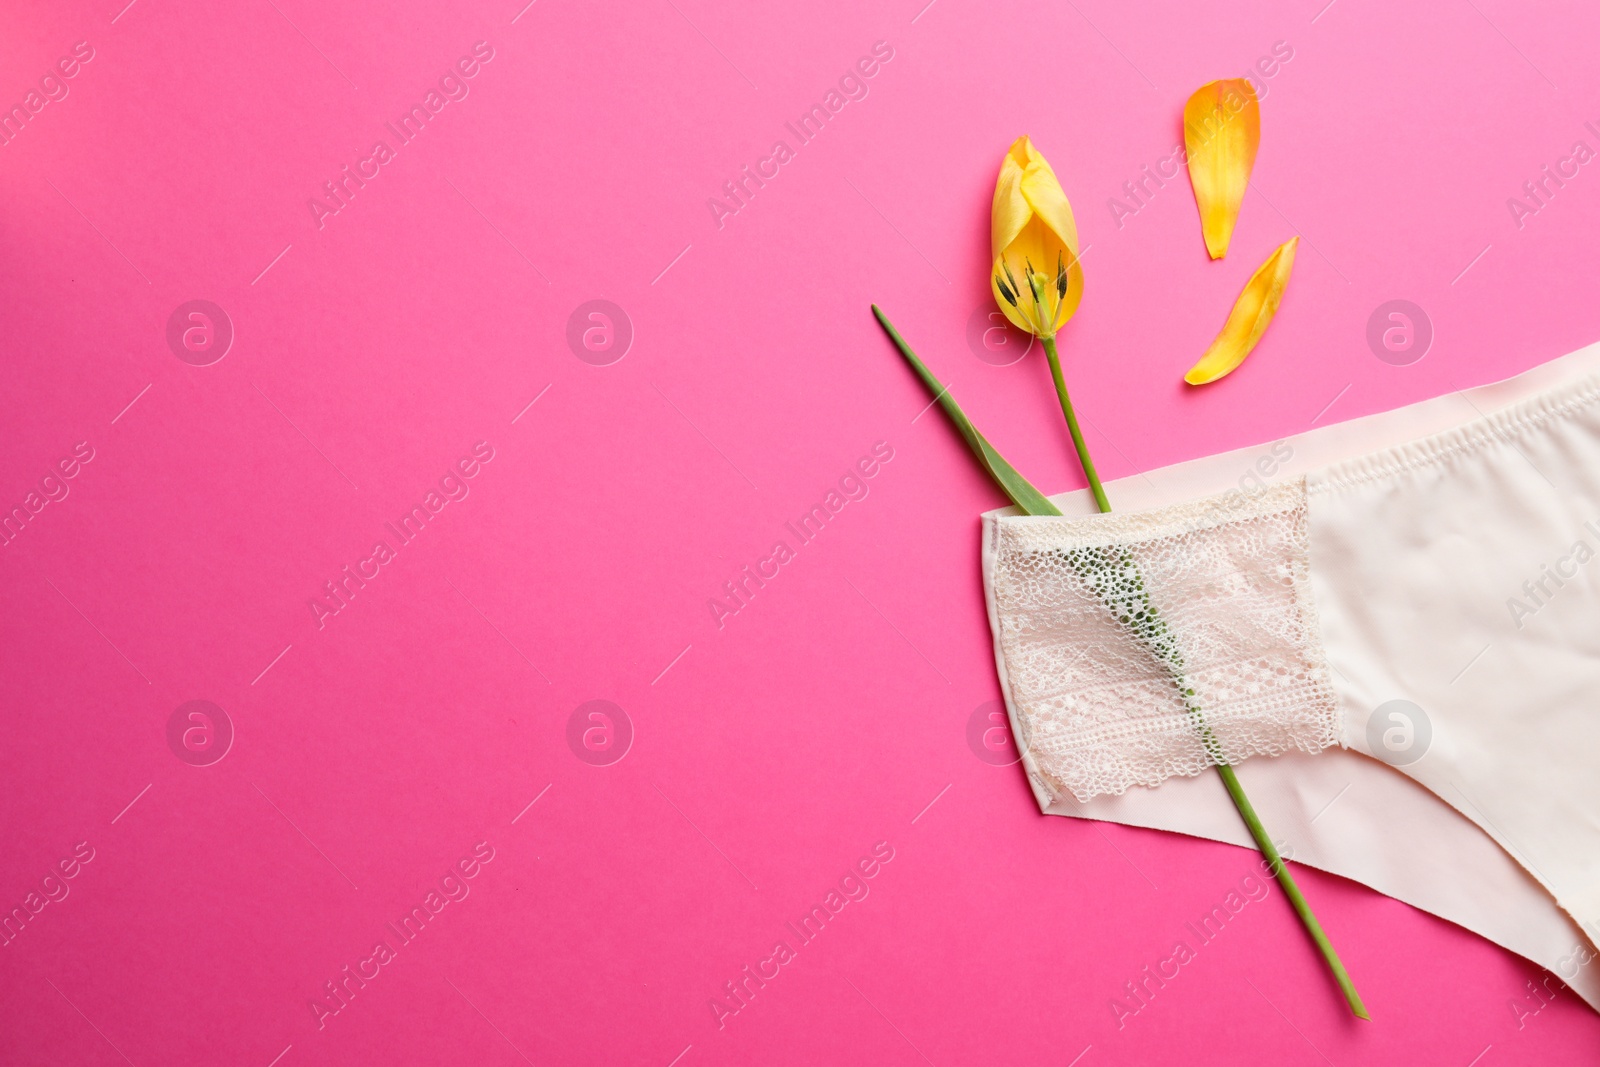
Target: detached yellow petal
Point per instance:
(1033, 239)
(1248, 320)
(1221, 131)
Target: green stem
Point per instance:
(1072, 424)
(1281, 870)
(1230, 780)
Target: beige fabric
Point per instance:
(1419, 549)
(1119, 689)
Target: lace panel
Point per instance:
(1141, 646)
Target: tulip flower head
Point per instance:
(1036, 279)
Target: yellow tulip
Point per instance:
(1033, 238)
(1251, 315)
(1221, 131)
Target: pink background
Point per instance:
(768, 755)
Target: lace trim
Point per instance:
(1139, 646)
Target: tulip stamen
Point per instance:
(1005, 290)
(1007, 268)
(1034, 319)
(1061, 276)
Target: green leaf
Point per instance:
(1015, 486)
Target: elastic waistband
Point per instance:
(1500, 427)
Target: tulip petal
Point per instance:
(1032, 227)
(1042, 191)
(1248, 320)
(1221, 131)
(1010, 212)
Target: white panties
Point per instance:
(1412, 635)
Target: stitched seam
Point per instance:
(1501, 427)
